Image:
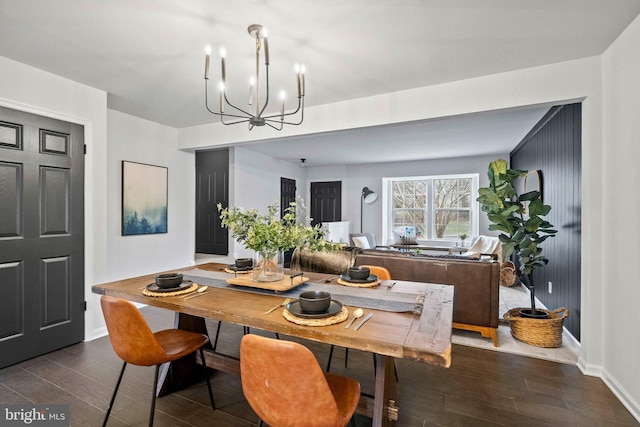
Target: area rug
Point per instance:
(513, 297)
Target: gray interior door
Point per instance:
(212, 187)
(326, 202)
(287, 195)
(41, 235)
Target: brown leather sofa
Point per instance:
(476, 282)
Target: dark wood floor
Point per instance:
(482, 388)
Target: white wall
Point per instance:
(355, 177)
(621, 297)
(142, 141)
(255, 184)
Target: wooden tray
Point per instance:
(279, 286)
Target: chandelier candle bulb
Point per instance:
(221, 97)
(207, 58)
(252, 81)
(298, 81)
(302, 70)
(223, 54)
(282, 96)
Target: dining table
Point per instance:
(407, 320)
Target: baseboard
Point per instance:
(99, 333)
(623, 396)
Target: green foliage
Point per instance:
(521, 233)
(269, 234)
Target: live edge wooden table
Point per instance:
(424, 337)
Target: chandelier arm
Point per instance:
(291, 113)
(232, 123)
(206, 104)
(236, 108)
(289, 123)
(273, 127)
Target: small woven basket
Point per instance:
(538, 332)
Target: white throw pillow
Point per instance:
(361, 242)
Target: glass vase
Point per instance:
(268, 268)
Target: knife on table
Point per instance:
(367, 317)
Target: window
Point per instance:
(437, 207)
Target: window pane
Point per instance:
(450, 224)
(451, 200)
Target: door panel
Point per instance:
(326, 202)
(287, 195)
(212, 187)
(41, 235)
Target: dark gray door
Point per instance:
(287, 195)
(41, 235)
(212, 187)
(326, 202)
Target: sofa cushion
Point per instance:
(361, 242)
(476, 282)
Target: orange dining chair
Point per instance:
(383, 274)
(135, 343)
(285, 385)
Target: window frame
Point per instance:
(430, 239)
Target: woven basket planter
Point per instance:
(538, 332)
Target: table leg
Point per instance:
(183, 372)
(384, 409)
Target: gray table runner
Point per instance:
(379, 297)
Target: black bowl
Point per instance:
(314, 301)
(359, 273)
(244, 262)
(168, 280)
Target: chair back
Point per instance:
(130, 335)
(381, 272)
(284, 384)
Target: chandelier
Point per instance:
(235, 114)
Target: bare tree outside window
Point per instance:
(439, 208)
(451, 202)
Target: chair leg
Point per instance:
(215, 341)
(329, 361)
(113, 398)
(153, 399)
(206, 376)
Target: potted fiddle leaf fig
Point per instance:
(523, 230)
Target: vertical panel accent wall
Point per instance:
(554, 147)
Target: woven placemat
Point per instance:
(337, 318)
(359, 285)
(228, 270)
(184, 291)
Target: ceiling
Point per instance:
(148, 55)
